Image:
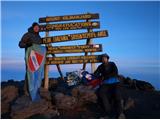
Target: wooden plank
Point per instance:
(71, 37)
(74, 59)
(69, 17)
(69, 26)
(74, 49)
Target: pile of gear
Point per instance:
(73, 78)
(83, 77)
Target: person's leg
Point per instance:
(117, 100)
(104, 95)
(26, 92)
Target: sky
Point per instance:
(133, 27)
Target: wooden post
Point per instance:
(59, 69)
(46, 69)
(89, 41)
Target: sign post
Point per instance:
(89, 41)
(89, 47)
(46, 68)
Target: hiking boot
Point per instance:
(105, 117)
(121, 116)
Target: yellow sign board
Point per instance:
(74, 59)
(74, 49)
(69, 26)
(71, 37)
(69, 17)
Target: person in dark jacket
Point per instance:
(29, 38)
(109, 92)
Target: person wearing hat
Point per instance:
(29, 38)
(109, 92)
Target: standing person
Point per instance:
(109, 92)
(28, 39)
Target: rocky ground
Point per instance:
(140, 100)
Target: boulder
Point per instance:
(142, 85)
(45, 94)
(25, 108)
(135, 84)
(65, 102)
(5, 108)
(8, 95)
(84, 94)
(53, 83)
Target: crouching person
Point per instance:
(109, 91)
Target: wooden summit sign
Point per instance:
(68, 17)
(71, 37)
(74, 59)
(89, 47)
(69, 26)
(74, 49)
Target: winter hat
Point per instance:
(105, 55)
(34, 24)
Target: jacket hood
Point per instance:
(30, 30)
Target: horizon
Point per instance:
(133, 40)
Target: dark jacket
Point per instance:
(106, 71)
(29, 38)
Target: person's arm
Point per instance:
(97, 73)
(114, 71)
(24, 42)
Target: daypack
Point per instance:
(89, 79)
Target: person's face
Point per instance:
(104, 60)
(36, 28)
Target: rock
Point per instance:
(135, 84)
(45, 94)
(65, 102)
(137, 101)
(142, 85)
(105, 117)
(5, 108)
(25, 108)
(50, 113)
(144, 104)
(75, 92)
(84, 94)
(121, 79)
(62, 87)
(53, 83)
(8, 94)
